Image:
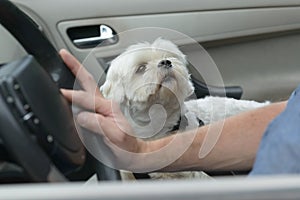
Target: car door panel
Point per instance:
(254, 44)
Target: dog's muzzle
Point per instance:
(165, 64)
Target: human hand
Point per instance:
(102, 116)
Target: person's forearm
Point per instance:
(235, 148)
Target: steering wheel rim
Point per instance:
(36, 44)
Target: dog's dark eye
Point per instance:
(141, 68)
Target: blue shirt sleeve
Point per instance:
(279, 151)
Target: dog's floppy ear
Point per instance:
(113, 88)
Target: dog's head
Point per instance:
(148, 72)
(150, 82)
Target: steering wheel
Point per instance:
(36, 122)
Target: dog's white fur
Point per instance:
(143, 94)
(150, 93)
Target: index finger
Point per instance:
(85, 79)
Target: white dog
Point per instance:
(151, 83)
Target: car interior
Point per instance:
(244, 50)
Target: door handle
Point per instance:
(106, 37)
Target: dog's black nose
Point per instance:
(165, 63)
